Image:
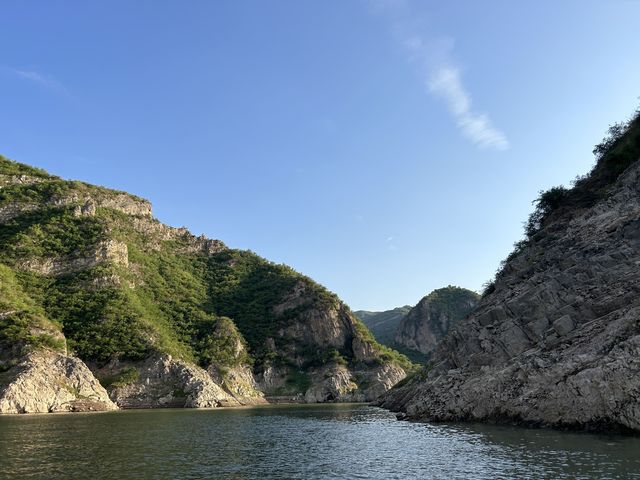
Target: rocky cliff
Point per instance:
(556, 339)
(431, 319)
(157, 316)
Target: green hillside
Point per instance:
(89, 269)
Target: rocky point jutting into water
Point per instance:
(102, 306)
(555, 341)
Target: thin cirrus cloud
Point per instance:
(441, 75)
(477, 127)
(42, 80)
(443, 80)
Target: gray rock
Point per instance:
(563, 325)
(46, 381)
(504, 363)
(163, 381)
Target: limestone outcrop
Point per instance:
(46, 381)
(163, 381)
(105, 251)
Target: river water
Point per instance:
(297, 442)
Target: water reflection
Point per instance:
(291, 442)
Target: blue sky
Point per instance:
(384, 148)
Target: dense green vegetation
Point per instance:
(125, 377)
(453, 301)
(246, 288)
(221, 344)
(214, 308)
(50, 232)
(22, 321)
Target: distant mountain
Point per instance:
(383, 325)
(414, 331)
(431, 319)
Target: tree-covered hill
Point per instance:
(87, 271)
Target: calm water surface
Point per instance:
(297, 442)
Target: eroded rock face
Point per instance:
(120, 201)
(363, 379)
(14, 209)
(333, 383)
(6, 180)
(326, 327)
(105, 251)
(163, 381)
(239, 382)
(558, 341)
(374, 382)
(45, 381)
(358, 377)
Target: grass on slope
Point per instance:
(22, 320)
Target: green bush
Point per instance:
(619, 149)
(546, 203)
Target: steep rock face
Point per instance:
(162, 381)
(431, 319)
(557, 342)
(105, 251)
(51, 382)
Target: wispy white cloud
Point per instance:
(442, 77)
(43, 80)
(477, 127)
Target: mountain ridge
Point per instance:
(162, 317)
